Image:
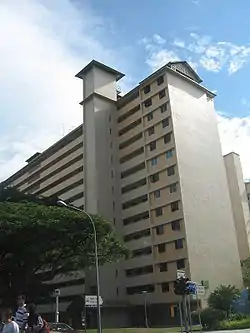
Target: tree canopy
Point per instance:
(245, 266)
(39, 241)
(222, 297)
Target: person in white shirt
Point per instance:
(10, 326)
(21, 316)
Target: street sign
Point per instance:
(57, 292)
(180, 274)
(91, 301)
(200, 290)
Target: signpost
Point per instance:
(91, 301)
(57, 294)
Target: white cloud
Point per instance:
(158, 59)
(157, 55)
(158, 39)
(210, 64)
(179, 43)
(43, 45)
(217, 55)
(235, 136)
(201, 51)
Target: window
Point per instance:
(111, 144)
(129, 113)
(139, 271)
(114, 220)
(165, 287)
(110, 131)
(154, 161)
(146, 89)
(148, 102)
(136, 235)
(178, 244)
(180, 264)
(111, 159)
(176, 225)
(113, 189)
(161, 248)
(174, 206)
(160, 229)
(158, 211)
(112, 173)
(116, 273)
(151, 130)
(171, 171)
(149, 288)
(165, 122)
(117, 292)
(169, 153)
(162, 93)
(164, 107)
(154, 178)
(172, 188)
(142, 252)
(167, 138)
(163, 267)
(150, 116)
(152, 145)
(113, 205)
(160, 80)
(157, 194)
(136, 218)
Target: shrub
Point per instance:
(234, 324)
(209, 317)
(237, 316)
(222, 297)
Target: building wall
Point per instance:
(248, 192)
(211, 241)
(239, 203)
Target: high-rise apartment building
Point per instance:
(239, 203)
(151, 162)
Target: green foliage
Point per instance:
(237, 316)
(209, 317)
(39, 241)
(234, 324)
(222, 297)
(245, 266)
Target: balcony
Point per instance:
(137, 226)
(140, 208)
(134, 193)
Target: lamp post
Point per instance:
(145, 308)
(99, 319)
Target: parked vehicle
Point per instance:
(61, 327)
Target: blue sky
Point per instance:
(45, 43)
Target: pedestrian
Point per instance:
(22, 313)
(35, 321)
(10, 326)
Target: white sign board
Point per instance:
(200, 290)
(180, 274)
(91, 301)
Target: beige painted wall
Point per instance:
(239, 203)
(207, 211)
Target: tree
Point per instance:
(39, 241)
(245, 266)
(222, 297)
